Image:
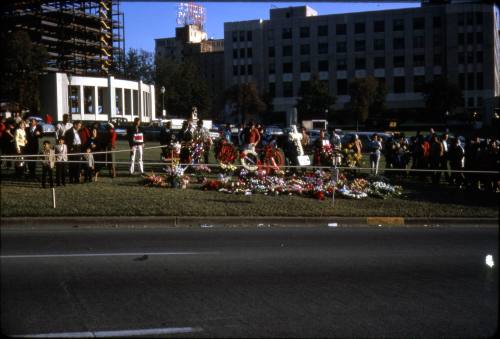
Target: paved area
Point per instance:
(250, 282)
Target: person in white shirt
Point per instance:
(375, 147)
(20, 143)
(444, 158)
(63, 126)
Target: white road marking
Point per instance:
(36, 256)
(112, 334)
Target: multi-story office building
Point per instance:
(403, 48)
(192, 43)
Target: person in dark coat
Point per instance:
(33, 134)
(74, 142)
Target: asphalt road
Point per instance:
(266, 282)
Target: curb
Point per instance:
(229, 221)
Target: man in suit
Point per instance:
(74, 142)
(33, 134)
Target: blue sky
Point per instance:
(146, 21)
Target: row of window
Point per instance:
(468, 18)
(468, 57)
(475, 81)
(379, 26)
(342, 86)
(359, 63)
(242, 36)
(470, 38)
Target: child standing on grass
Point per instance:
(48, 163)
(61, 158)
(89, 165)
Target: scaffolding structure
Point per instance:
(81, 37)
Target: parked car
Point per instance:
(273, 130)
(314, 134)
(48, 129)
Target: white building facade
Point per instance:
(96, 98)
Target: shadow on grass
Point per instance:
(229, 201)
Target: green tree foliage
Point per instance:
(365, 94)
(21, 63)
(139, 65)
(248, 103)
(314, 100)
(441, 96)
(184, 88)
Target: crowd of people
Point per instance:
(80, 153)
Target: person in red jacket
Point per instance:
(48, 119)
(253, 136)
(110, 147)
(84, 134)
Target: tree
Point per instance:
(21, 63)
(441, 96)
(377, 107)
(247, 100)
(185, 88)
(315, 100)
(364, 93)
(139, 65)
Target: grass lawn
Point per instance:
(126, 196)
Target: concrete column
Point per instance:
(112, 100)
(82, 99)
(141, 100)
(153, 102)
(96, 102)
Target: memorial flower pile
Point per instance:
(155, 180)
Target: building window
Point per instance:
(479, 18)
(272, 68)
(470, 38)
(323, 48)
(438, 59)
(323, 66)
(461, 19)
(418, 23)
(249, 36)
(461, 38)
(272, 89)
(399, 43)
(470, 102)
(479, 81)
(305, 66)
(379, 44)
(242, 69)
(418, 83)
(235, 54)
(341, 64)
(436, 22)
(479, 57)
(399, 85)
(305, 49)
(249, 53)
(470, 18)
(479, 101)
(101, 99)
(461, 58)
(304, 32)
(470, 57)
(235, 36)
(323, 30)
(360, 63)
(271, 52)
(436, 40)
(74, 99)
(341, 29)
(235, 70)
(270, 35)
(287, 67)
(359, 27)
(418, 41)
(359, 45)
(461, 81)
(128, 101)
(242, 36)
(341, 47)
(249, 69)
(242, 52)
(288, 89)
(479, 37)
(88, 99)
(418, 60)
(286, 33)
(470, 81)
(379, 62)
(398, 25)
(135, 97)
(399, 61)
(118, 101)
(342, 87)
(287, 50)
(379, 26)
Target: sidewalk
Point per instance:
(179, 221)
